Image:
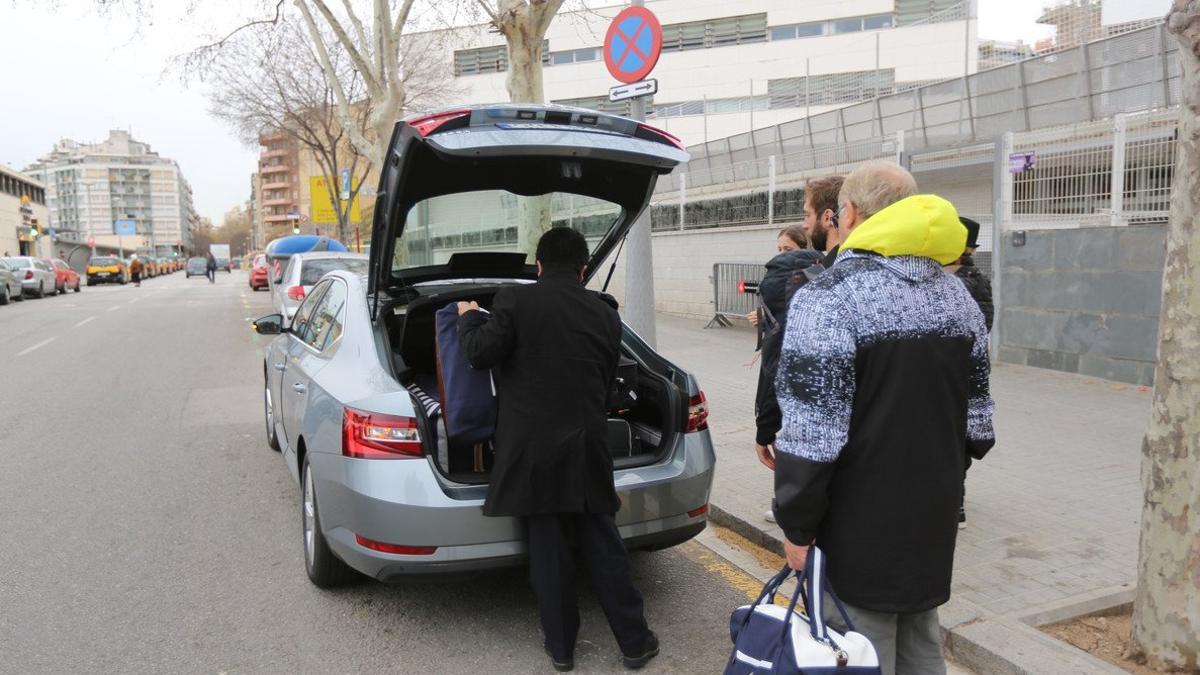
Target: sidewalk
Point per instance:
(1053, 511)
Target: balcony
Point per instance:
(280, 218)
(278, 185)
(277, 168)
(275, 153)
(272, 137)
(281, 201)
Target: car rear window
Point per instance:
(311, 271)
(19, 263)
(104, 262)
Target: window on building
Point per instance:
(574, 56)
(732, 30)
(879, 21)
(489, 59)
(847, 25)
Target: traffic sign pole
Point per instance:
(639, 265)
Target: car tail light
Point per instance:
(394, 548)
(431, 123)
(296, 293)
(649, 133)
(28, 275)
(697, 413)
(698, 512)
(376, 436)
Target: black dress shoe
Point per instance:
(639, 660)
(561, 665)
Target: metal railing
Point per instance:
(734, 291)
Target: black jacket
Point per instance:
(883, 383)
(979, 286)
(553, 348)
(786, 273)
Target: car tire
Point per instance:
(41, 292)
(77, 286)
(269, 414)
(4, 297)
(325, 570)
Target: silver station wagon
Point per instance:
(351, 382)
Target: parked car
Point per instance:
(341, 380)
(65, 278)
(258, 273)
(236, 263)
(197, 267)
(107, 269)
(10, 284)
(36, 275)
(304, 270)
(280, 250)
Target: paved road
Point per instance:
(146, 527)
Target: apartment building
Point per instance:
(729, 68)
(91, 186)
(22, 206)
(279, 188)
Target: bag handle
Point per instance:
(817, 584)
(770, 589)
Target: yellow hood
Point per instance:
(921, 225)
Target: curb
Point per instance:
(983, 642)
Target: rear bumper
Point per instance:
(403, 502)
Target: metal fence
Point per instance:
(1108, 172)
(732, 299)
(1134, 71)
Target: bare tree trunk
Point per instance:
(1166, 617)
(524, 80)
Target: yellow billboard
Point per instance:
(323, 212)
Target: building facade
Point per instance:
(280, 184)
(92, 186)
(727, 69)
(22, 212)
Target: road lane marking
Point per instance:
(39, 345)
(114, 308)
(87, 320)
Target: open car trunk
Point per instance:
(645, 412)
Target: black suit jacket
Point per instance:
(552, 347)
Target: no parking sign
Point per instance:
(633, 44)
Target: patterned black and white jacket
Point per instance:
(883, 385)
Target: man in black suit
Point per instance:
(553, 348)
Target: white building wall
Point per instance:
(916, 53)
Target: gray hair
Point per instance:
(875, 186)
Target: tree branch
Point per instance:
(375, 83)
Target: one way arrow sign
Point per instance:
(633, 90)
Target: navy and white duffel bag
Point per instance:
(768, 638)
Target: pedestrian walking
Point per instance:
(553, 348)
(135, 270)
(883, 386)
(211, 268)
(821, 216)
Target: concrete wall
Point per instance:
(1084, 300)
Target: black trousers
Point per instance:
(552, 574)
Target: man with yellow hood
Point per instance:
(883, 385)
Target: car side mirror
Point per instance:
(271, 324)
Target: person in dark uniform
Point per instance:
(553, 348)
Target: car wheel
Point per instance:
(269, 412)
(41, 292)
(4, 295)
(324, 568)
(77, 286)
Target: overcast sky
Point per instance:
(73, 73)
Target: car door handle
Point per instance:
(299, 388)
(280, 366)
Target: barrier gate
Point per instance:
(735, 291)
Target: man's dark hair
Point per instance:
(823, 193)
(562, 247)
